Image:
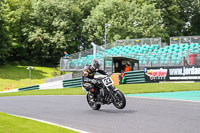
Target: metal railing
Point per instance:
(77, 61)
(184, 40)
(132, 42)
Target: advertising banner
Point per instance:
(179, 73)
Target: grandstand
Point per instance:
(148, 51)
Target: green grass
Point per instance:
(65, 91)
(12, 76)
(13, 124)
(158, 87)
(125, 88)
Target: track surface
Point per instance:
(139, 116)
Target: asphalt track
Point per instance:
(141, 115)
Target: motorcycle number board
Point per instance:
(107, 81)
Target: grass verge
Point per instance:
(13, 124)
(158, 87)
(125, 88)
(13, 76)
(65, 91)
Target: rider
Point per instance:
(88, 79)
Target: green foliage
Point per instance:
(127, 20)
(5, 41)
(40, 30)
(16, 12)
(179, 16)
(52, 29)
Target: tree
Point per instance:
(194, 23)
(181, 17)
(128, 19)
(5, 40)
(85, 6)
(53, 29)
(17, 12)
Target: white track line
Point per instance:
(164, 99)
(51, 123)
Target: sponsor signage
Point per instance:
(156, 74)
(182, 73)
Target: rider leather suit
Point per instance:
(88, 79)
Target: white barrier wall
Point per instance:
(52, 85)
(13, 90)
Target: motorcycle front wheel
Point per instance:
(92, 102)
(120, 100)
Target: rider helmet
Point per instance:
(95, 64)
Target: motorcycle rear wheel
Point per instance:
(120, 100)
(92, 102)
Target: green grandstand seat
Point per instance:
(177, 50)
(170, 52)
(192, 50)
(134, 47)
(144, 46)
(174, 45)
(197, 45)
(167, 47)
(173, 61)
(178, 61)
(129, 47)
(155, 51)
(133, 50)
(183, 45)
(171, 49)
(106, 54)
(108, 63)
(166, 61)
(193, 45)
(161, 49)
(187, 46)
(151, 59)
(107, 50)
(144, 61)
(197, 50)
(185, 54)
(182, 49)
(156, 46)
(151, 47)
(83, 57)
(166, 50)
(98, 57)
(162, 59)
(177, 47)
(155, 61)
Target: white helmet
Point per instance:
(95, 64)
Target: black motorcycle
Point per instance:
(105, 93)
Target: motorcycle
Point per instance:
(105, 93)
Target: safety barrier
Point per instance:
(133, 77)
(29, 88)
(52, 85)
(76, 82)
